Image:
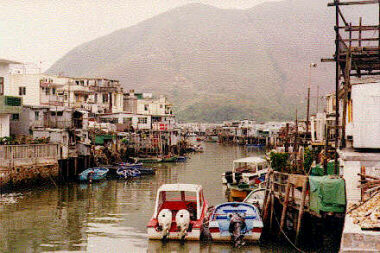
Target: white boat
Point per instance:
(180, 213)
(256, 198)
(249, 170)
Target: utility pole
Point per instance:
(311, 65)
(318, 98)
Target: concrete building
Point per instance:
(10, 103)
(129, 121)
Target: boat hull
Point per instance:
(252, 237)
(225, 216)
(99, 174)
(237, 195)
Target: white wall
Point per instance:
(32, 84)
(155, 107)
(4, 72)
(4, 125)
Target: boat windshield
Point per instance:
(177, 200)
(178, 196)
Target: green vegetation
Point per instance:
(279, 161)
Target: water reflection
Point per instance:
(110, 216)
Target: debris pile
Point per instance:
(367, 214)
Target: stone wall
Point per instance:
(356, 240)
(20, 175)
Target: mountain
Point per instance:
(218, 64)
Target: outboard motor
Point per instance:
(90, 176)
(238, 177)
(183, 222)
(228, 177)
(237, 229)
(165, 222)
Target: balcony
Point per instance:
(10, 105)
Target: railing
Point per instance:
(16, 155)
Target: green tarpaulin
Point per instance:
(318, 169)
(99, 139)
(327, 194)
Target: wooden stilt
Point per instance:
(301, 210)
(75, 165)
(272, 203)
(67, 168)
(267, 196)
(285, 206)
(271, 211)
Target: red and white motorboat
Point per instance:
(179, 214)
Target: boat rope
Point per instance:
(287, 238)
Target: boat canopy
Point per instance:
(180, 193)
(180, 187)
(253, 159)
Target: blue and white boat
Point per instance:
(93, 174)
(146, 171)
(235, 221)
(181, 159)
(126, 173)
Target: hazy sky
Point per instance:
(44, 30)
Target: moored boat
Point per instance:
(148, 159)
(246, 170)
(179, 214)
(181, 159)
(236, 222)
(93, 174)
(169, 159)
(147, 171)
(247, 174)
(126, 173)
(256, 198)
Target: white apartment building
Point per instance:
(10, 103)
(157, 107)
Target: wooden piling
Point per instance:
(301, 209)
(268, 194)
(285, 206)
(75, 165)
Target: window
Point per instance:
(15, 117)
(127, 120)
(60, 113)
(22, 90)
(146, 107)
(105, 98)
(96, 98)
(143, 120)
(47, 91)
(53, 90)
(161, 106)
(36, 116)
(1, 85)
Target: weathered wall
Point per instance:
(4, 125)
(27, 174)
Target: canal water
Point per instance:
(111, 216)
